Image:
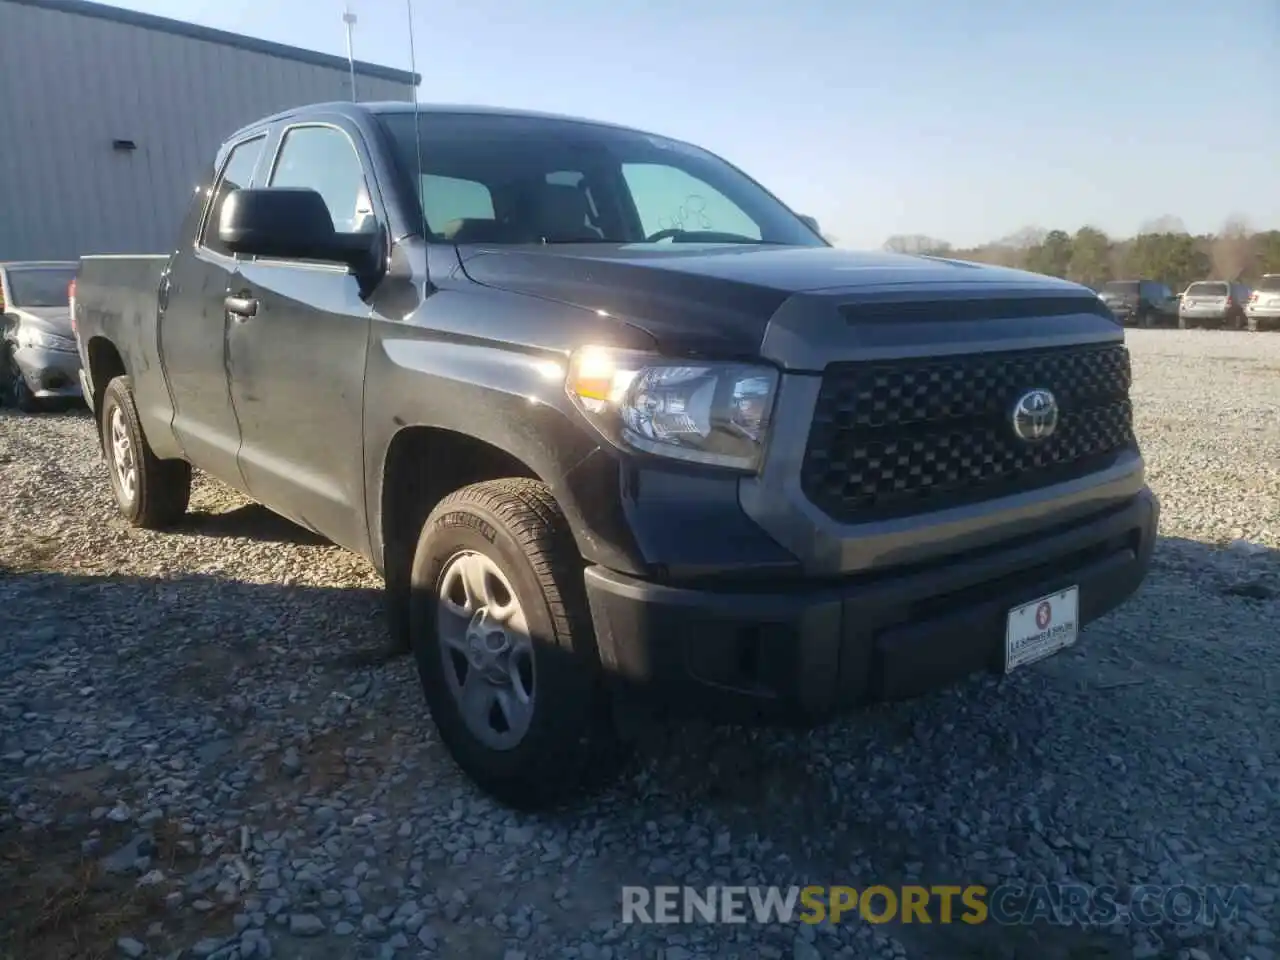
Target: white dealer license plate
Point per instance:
(1041, 627)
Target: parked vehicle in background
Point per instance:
(1263, 307)
(1140, 303)
(38, 358)
(621, 431)
(1213, 303)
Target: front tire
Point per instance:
(16, 392)
(150, 492)
(504, 646)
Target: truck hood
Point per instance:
(721, 298)
(54, 320)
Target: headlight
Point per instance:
(698, 411)
(31, 338)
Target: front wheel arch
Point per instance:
(423, 465)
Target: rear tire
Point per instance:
(150, 492)
(539, 731)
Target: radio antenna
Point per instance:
(417, 144)
(349, 19)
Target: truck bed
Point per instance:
(116, 298)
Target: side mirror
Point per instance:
(291, 223)
(811, 223)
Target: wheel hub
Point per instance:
(489, 648)
(486, 649)
(122, 456)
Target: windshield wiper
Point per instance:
(674, 242)
(597, 240)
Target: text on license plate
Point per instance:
(1041, 627)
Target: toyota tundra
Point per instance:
(622, 432)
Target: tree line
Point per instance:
(1162, 251)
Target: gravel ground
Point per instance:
(204, 751)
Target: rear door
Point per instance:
(297, 363)
(193, 328)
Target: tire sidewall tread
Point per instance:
(517, 523)
(163, 486)
(24, 401)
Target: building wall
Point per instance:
(72, 84)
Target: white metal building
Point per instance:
(109, 118)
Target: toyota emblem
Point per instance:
(1035, 416)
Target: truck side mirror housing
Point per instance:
(811, 223)
(291, 223)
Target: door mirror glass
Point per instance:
(291, 223)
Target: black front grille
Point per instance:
(902, 436)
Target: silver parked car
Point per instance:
(38, 357)
(1213, 303)
(1263, 308)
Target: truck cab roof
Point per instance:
(355, 110)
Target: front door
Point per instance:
(193, 330)
(297, 353)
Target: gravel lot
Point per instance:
(203, 748)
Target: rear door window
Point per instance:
(237, 172)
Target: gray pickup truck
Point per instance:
(624, 434)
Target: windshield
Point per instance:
(39, 286)
(1207, 290)
(1269, 285)
(1126, 288)
(499, 179)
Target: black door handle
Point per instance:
(242, 307)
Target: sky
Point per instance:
(965, 121)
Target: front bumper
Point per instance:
(49, 373)
(800, 652)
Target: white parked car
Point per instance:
(1263, 307)
(1213, 303)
